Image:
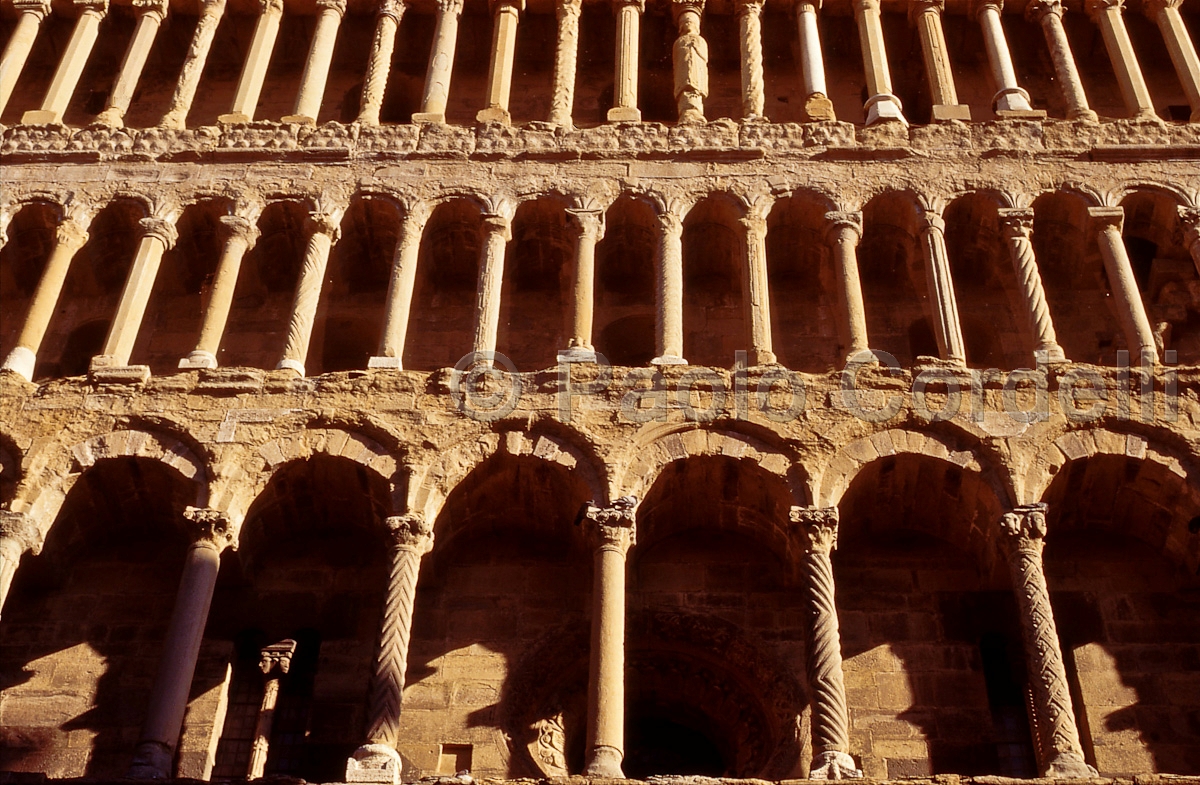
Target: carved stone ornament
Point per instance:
(161, 229)
(410, 531)
(20, 527)
(211, 527)
(324, 223)
(98, 7)
(816, 527)
(613, 525)
(277, 656)
(1016, 222)
(1039, 9)
(39, 8)
(843, 221)
(157, 7)
(1023, 528)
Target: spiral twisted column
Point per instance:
(324, 230)
(18, 534)
(749, 14)
(211, 12)
(387, 21)
(1017, 226)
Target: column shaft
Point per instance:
(758, 296)
(18, 534)
(323, 233)
(1011, 100)
(380, 66)
(497, 233)
(749, 14)
(241, 234)
(625, 93)
(254, 70)
(16, 51)
(150, 16)
(1183, 52)
(400, 289)
(1049, 14)
(1107, 14)
(316, 67)
(669, 297)
(817, 106)
(506, 15)
(276, 660)
(1017, 227)
(159, 236)
(1136, 325)
(689, 56)
(211, 12)
(441, 63)
(881, 105)
(842, 237)
(70, 67)
(927, 16)
(589, 226)
(946, 326)
(566, 55)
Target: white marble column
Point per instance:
(1011, 101)
(150, 14)
(946, 325)
(254, 70)
(387, 22)
(211, 12)
(1107, 16)
(1016, 224)
(506, 14)
(1048, 14)
(926, 15)
(316, 67)
(749, 14)
(19, 45)
(70, 67)
(324, 228)
(882, 104)
(757, 294)
(1166, 14)
(817, 106)
(843, 235)
(497, 232)
(588, 226)
(441, 63)
(689, 57)
(566, 55)
(625, 92)
(18, 535)
(1108, 223)
(240, 234)
(669, 295)
(400, 288)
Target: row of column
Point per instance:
(690, 57)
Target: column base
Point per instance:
(624, 114)
(151, 761)
(299, 119)
(1069, 765)
(173, 121)
(375, 763)
(691, 117)
(943, 112)
(1012, 99)
(198, 359)
(1050, 353)
(233, 118)
(834, 766)
(819, 109)
(757, 357)
(1085, 115)
(1020, 114)
(429, 117)
(41, 117)
(392, 363)
(884, 106)
(291, 365)
(605, 762)
(668, 359)
(577, 354)
(21, 362)
(110, 118)
(119, 374)
(493, 114)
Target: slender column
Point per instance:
(589, 228)
(1183, 52)
(566, 55)
(377, 760)
(1011, 100)
(815, 531)
(669, 297)
(506, 14)
(941, 288)
(749, 14)
(497, 232)
(441, 63)
(400, 288)
(1017, 226)
(612, 532)
(844, 232)
(150, 15)
(1107, 15)
(690, 58)
(155, 753)
(275, 661)
(926, 15)
(625, 107)
(387, 21)
(1022, 537)
(1189, 218)
(240, 234)
(211, 12)
(17, 50)
(324, 230)
(882, 105)
(254, 70)
(18, 534)
(817, 106)
(158, 236)
(70, 67)
(316, 68)
(1109, 222)
(71, 236)
(758, 297)
(1048, 13)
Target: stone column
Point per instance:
(18, 534)
(155, 753)
(566, 55)
(324, 230)
(1183, 53)
(377, 760)
(150, 14)
(882, 105)
(946, 326)
(274, 662)
(625, 94)
(817, 106)
(927, 16)
(1022, 537)
(815, 530)
(589, 228)
(1016, 224)
(690, 59)
(16, 51)
(1189, 218)
(844, 232)
(441, 63)
(506, 14)
(316, 68)
(158, 236)
(400, 288)
(387, 21)
(497, 231)
(612, 532)
(669, 297)
(749, 14)
(1048, 13)
(70, 237)
(240, 234)
(254, 70)
(1109, 222)
(758, 296)
(1011, 101)
(211, 12)
(1107, 15)
(70, 67)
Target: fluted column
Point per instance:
(1166, 14)
(324, 230)
(1048, 13)
(669, 295)
(566, 55)
(411, 538)
(506, 14)
(497, 231)
(612, 532)
(69, 238)
(211, 12)
(155, 753)
(625, 92)
(927, 16)
(240, 233)
(1016, 224)
(1022, 537)
(844, 232)
(1107, 15)
(400, 288)
(387, 22)
(150, 14)
(1189, 218)
(1011, 101)
(690, 59)
(589, 228)
(158, 236)
(441, 63)
(882, 104)
(817, 106)
(749, 14)
(274, 662)
(70, 67)
(18, 534)
(316, 67)
(1108, 222)
(946, 326)
(254, 70)
(815, 531)
(758, 297)
(19, 45)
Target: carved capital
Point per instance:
(1095, 8)
(815, 527)
(1152, 8)
(671, 224)
(157, 8)
(410, 532)
(450, 7)
(1038, 10)
(270, 7)
(640, 5)
(613, 526)
(39, 8)
(680, 7)
(842, 222)
(754, 225)
(212, 7)
(338, 6)
(496, 223)
(324, 223)
(393, 8)
(808, 6)
(277, 657)
(19, 526)
(1107, 217)
(1016, 222)
(210, 527)
(71, 235)
(97, 7)
(589, 223)
(1189, 220)
(160, 228)
(743, 7)
(1023, 528)
(235, 226)
(496, 6)
(931, 221)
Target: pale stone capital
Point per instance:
(755, 226)
(410, 532)
(277, 656)
(743, 7)
(270, 7)
(326, 223)
(496, 6)
(589, 223)
(680, 7)
(979, 6)
(332, 5)
(1189, 219)
(70, 234)
(1038, 10)
(612, 527)
(498, 223)
(931, 221)
(239, 227)
(393, 8)
(1105, 217)
(815, 528)
(153, 8)
(450, 7)
(640, 5)
(1095, 8)
(1023, 528)
(160, 228)
(210, 527)
(96, 7)
(19, 526)
(1016, 222)
(808, 6)
(1152, 8)
(672, 224)
(38, 8)
(842, 222)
